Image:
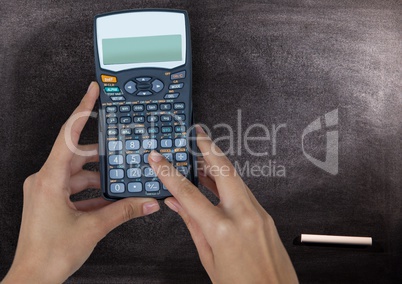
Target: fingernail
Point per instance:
(150, 207)
(90, 86)
(155, 156)
(201, 173)
(173, 205)
(198, 129)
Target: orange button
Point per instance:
(108, 79)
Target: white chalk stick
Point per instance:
(331, 239)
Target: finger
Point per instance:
(83, 180)
(119, 212)
(79, 160)
(203, 248)
(203, 165)
(67, 141)
(191, 199)
(232, 190)
(208, 182)
(91, 204)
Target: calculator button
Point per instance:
(165, 107)
(125, 108)
(111, 109)
(179, 128)
(112, 90)
(166, 143)
(157, 86)
(125, 120)
(172, 96)
(149, 172)
(180, 142)
(167, 129)
(130, 87)
(133, 159)
(181, 157)
(139, 131)
(137, 108)
(134, 187)
(117, 99)
(117, 187)
(153, 130)
(134, 173)
(152, 107)
(164, 187)
(183, 170)
(139, 119)
(178, 106)
(132, 144)
(115, 145)
(115, 160)
(143, 79)
(178, 75)
(152, 186)
(146, 158)
(125, 131)
(116, 174)
(144, 93)
(166, 118)
(168, 156)
(149, 144)
(108, 79)
(112, 132)
(176, 86)
(179, 117)
(111, 120)
(152, 118)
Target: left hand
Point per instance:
(57, 235)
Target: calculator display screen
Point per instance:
(162, 48)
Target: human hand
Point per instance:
(57, 235)
(237, 240)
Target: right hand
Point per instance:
(237, 240)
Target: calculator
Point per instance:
(143, 67)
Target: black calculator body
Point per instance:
(143, 67)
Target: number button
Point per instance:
(111, 109)
(152, 186)
(115, 160)
(149, 172)
(115, 145)
(181, 157)
(146, 158)
(180, 142)
(132, 144)
(152, 107)
(138, 108)
(117, 187)
(133, 159)
(134, 187)
(125, 108)
(134, 173)
(166, 143)
(149, 144)
(178, 106)
(116, 174)
(166, 118)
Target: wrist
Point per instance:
(29, 273)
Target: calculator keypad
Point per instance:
(136, 128)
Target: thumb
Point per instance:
(109, 217)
